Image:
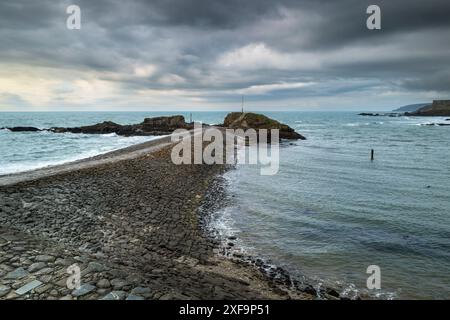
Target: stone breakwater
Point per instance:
(131, 221)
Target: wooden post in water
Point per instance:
(372, 153)
(190, 117)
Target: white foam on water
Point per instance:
(352, 124)
(117, 142)
(109, 135)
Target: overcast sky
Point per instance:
(205, 54)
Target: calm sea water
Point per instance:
(24, 150)
(329, 213)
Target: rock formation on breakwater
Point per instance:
(239, 120)
(150, 126)
(166, 125)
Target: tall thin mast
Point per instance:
(242, 104)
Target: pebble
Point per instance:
(133, 297)
(103, 284)
(119, 283)
(141, 291)
(63, 262)
(4, 290)
(28, 287)
(43, 288)
(96, 267)
(17, 274)
(115, 295)
(83, 290)
(44, 271)
(36, 266)
(45, 258)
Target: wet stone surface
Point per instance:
(131, 227)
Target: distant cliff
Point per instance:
(437, 108)
(411, 107)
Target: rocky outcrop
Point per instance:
(100, 128)
(239, 120)
(150, 126)
(438, 124)
(369, 114)
(22, 129)
(439, 108)
(389, 114)
(166, 125)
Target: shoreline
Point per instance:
(125, 153)
(130, 219)
(271, 271)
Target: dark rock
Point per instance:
(150, 126)
(23, 129)
(99, 128)
(436, 124)
(164, 123)
(239, 120)
(369, 114)
(389, 114)
(307, 288)
(332, 292)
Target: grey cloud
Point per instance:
(186, 37)
(439, 81)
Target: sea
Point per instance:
(328, 215)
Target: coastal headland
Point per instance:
(438, 108)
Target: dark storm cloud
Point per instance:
(342, 23)
(26, 15)
(185, 41)
(439, 81)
